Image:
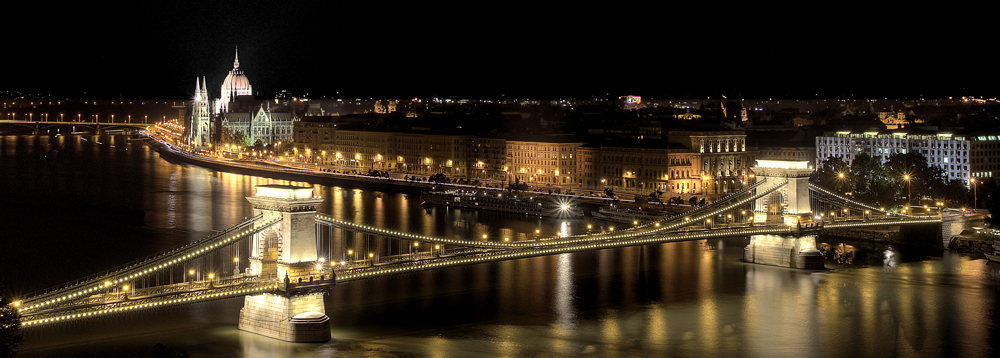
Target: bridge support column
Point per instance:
(788, 205)
(296, 312)
(795, 252)
(297, 318)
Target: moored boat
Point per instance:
(995, 257)
(504, 202)
(630, 214)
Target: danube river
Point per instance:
(75, 205)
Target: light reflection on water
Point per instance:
(550, 306)
(681, 299)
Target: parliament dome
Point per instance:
(236, 84)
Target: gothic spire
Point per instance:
(236, 64)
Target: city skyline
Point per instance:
(364, 51)
(477, 180)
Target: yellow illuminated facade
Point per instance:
(692, 163)
(543, 163)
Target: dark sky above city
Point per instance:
(372, 49)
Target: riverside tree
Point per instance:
(10, 326)
(870, 180)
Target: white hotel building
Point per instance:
(944, 150)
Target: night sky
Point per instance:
(347, 49)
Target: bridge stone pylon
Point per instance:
(788, 205)
(791, 202)
(287, 253)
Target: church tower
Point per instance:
(201, 121)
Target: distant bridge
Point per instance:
(38, 126)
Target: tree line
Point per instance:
(902, 178)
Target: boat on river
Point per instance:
(630, 214)
(995, 257)
(518, 203)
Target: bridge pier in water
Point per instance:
(795, 251)
(296, 311)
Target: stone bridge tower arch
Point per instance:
(287, 254)
(793, 198)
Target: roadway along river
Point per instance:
(73, 205)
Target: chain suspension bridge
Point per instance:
(285, 257)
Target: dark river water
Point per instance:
(76, 205)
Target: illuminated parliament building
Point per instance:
(238, 114)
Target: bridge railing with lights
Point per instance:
(693, 217)
(687, 218)
(161, 262)
(553, 249)
(719, 202)
(663, 227)
(839, 199)
(124, 303)
(369, 229)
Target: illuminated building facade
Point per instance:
(200, 133)
(488, 158)
(316, 136)
(647, 166)
(717, 163)
(243, 120)
(722, 157)
(543, 162)
(984, 155)
(944, 150)
(261, 126)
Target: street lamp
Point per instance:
(974, 196)
(907, 178)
